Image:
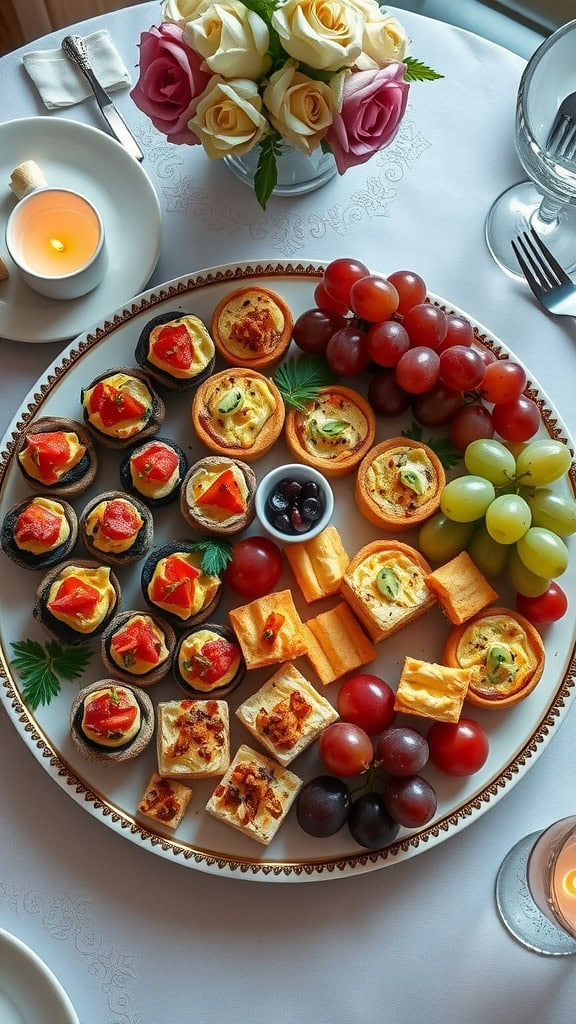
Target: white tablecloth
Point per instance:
(136, 939)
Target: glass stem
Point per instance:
(547, 212)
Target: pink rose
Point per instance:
(373, 105)
(170, 83)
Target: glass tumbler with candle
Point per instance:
(536, 890)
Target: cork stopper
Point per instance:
(25, 178)
(3, 270)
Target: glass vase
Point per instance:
(298, 173)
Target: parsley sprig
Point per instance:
(417, 71)
(41, 668)
(449, 456)
(215, 555)
(300, 379)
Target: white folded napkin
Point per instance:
(61, 84)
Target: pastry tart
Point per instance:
(208, 661)
(121, 406)
(460, 588)
(174, 585)
(333, 432)
(269, 629)
(39, 532)
(116, 528)
(252, 327)
(138, 647)
(154, 471)
(239, 413)
(504, 652)
(176, 350)
(399, 484)
(433, 691)
(57, 455)
(192, 738)
(77, 599)
(217, 495)
(111, 723)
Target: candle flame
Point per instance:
(57, 244)
(569, 883)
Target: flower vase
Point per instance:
(297, 172)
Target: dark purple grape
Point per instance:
(370, 823)
(401, 751)
(322, 806)
(386, 396)
(291, 488)
(311, 509)
(410, 801)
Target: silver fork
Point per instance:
(561, 141)
(547, 279)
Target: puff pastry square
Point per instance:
(192, 738)
(337, 644)
(461, 589)
(269, 630)
(433, 691)
(165, 800)
(318, 564)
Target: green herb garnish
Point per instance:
(299, 380)
(417, 71)
(215, 555)
(442, 446)
(42, 668)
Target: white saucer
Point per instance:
(83, 158)
(29, 992)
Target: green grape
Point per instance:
(552, 511)
(441, 539)
(541, 462)
(490, 459)
(543, 552)
(508, 518)
(524, 581)
(488, 556)
(466, 498)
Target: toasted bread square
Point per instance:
(337, 644)
(318, 564)
(269, 630)
(433, 691)
(255, 795)
(165, 800)
(286, 714)
(461, 589)
(192, 738)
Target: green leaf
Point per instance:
(41, 668)
(300, 379)
(416, 71)
(266, 172)
(442, 446)
(215, 555)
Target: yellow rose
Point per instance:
(228, 118)
(232, 40)
(384, 40)
(324, 35)
(299, 107)
(180, 11)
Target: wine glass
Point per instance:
(536, 890)
(548, 201)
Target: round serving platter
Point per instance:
(517, 736)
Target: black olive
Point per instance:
(311, 509)
(282, 522)
(310, 489)
(291, 488)
(278, 502)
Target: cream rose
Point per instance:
(180, 11)
(229, 117)
(299, 107)
(232, 40)
(324, 35)
(384, 40)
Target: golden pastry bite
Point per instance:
(208, 661)
(255, 795)
(120, 407)
(175, 585)
(165, 800)
(385, 587)
(192, 738)
(252, 327)
(176, 350)
(336, 644)
(286, 714)
(217, 495)
(154, 471)
(239, 413)
(111, 723)
(116, 528)
(333, 432)
(399, 484)
(39, 532)
(269, 630)
(56, 455)
(433, 691)
(138, 647)
(504, 654)
(460, 588)
(77, 599)
(318, 564)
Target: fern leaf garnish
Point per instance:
(449, 456)
(42, 668)
(299, 380)
(215, 555)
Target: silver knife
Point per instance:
(75, 49)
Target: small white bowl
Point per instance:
(295, 471)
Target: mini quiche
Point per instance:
(385, 587)
(208, 661)
(116, 529)
(504, 652)
(217, 495)
(286, 714)
(239, 413)
(333, 432)
(252, 327)
(255, 795)
(174, 585)
(138, 647)
(154, 471)
(111, 723)
(77, 599)
(39, 532)
(57, 455)
(165, 800)
(177, 351)
(192, 738)
(120, 406)
(399, 484)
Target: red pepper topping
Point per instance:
(155, 462)
(137, 641)
(49, 452)
(214, 659)
(37, 524)
(75, 597)
(176, 586)
(272, 626)
(114, 404)
(110, 713)
(224, 493)
(120, 520)
(173, 345)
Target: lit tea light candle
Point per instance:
(56, 239)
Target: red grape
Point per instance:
(417, 370)
(387, 342)
(411, 289)
(437, 406)
(426, 325)
(469, 424)
(486, 356)
(367, 701)
(339, 277)
(461, 368)
(345, 749)
(347, 352)
(369, 822)
(386, 396)
(411, 802)
(325, 301)
(547, 607)
(373, 298)
(314, 328)
(401, 751)
(255, 567)
(517, 420)
(503, 381)
(459, 332)
(322, 806)
(458, 748)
